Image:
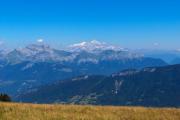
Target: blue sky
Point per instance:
(129, 23)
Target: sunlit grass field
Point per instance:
(15, 111)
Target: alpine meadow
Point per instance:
(90, 60)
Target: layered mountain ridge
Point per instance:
(154, 86)
(39, 64)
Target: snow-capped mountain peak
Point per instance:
(32, 52)
(33, 49)
(38, 47)
(92, 51)
(93, 46)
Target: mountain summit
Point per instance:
(92, 46)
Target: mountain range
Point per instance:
(154, 86)
(38, 64)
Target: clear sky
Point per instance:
(129, 23)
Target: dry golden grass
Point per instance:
(14, 111)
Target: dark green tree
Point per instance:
(5, 98)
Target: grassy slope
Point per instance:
(12, 111)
